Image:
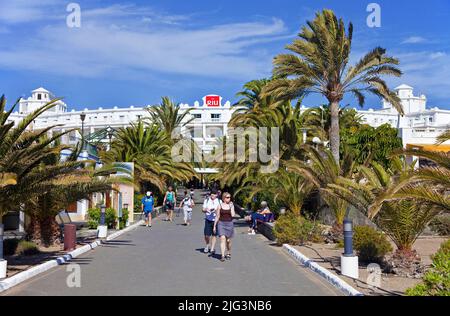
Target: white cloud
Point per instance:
(23, 11)
(429, 73)
(124, 39)
(414, 40)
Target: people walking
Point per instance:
(224, 226)
(187, 203)
(147, 207)
(169, 203)
(209, 208)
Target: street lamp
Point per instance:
(110, 135)
(304, 130)
(316, 140)
(82, 117)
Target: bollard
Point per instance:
(3, 263)
(70, 237)
(102, 215)
(1, 241)
(348, 237)
(349, 262)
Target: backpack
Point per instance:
(187, 202)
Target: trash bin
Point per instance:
(70, 237)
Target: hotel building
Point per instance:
(418, 128)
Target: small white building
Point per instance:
(419, 126)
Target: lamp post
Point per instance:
(102, 229)
(82, 117)
(316, 140)
(110, 135)
(304, 131)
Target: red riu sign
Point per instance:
(212, 100)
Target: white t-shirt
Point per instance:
(211, 206)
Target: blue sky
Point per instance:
(134, 52)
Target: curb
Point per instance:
(32, 272)
(324, 273)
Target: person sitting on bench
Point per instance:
(263, 214)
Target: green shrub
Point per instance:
(441, 225)
(10, 246)
(26, 248)
(436, 281)
(94, 217)
(124, 219)
(19, 247)
(138, 202)
(370, 244)
(293, 229)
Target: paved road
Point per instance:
(167, 260)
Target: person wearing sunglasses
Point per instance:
(224, 225)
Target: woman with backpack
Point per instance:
(187, 203)
(169, 202)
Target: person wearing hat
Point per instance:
(260, 214)
(147, 207)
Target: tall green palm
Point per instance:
(320, 64)
(168, 115)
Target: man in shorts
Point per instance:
(147, 208)
(209, 208)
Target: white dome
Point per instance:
(404, 87)
(41, 90)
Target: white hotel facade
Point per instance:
(418, 127)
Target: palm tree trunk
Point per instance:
(44, 231)
(334, 130)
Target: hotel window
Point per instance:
(430, 120)
(39, 96)
(215, 117)
(197, 116)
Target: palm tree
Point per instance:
(168, 116)
(320, 65)
(21, 151)
(371, 192)
(72, 180)
(317, 120)
(149, 147)
(286, 188)
(7, 179)
(322, 170)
